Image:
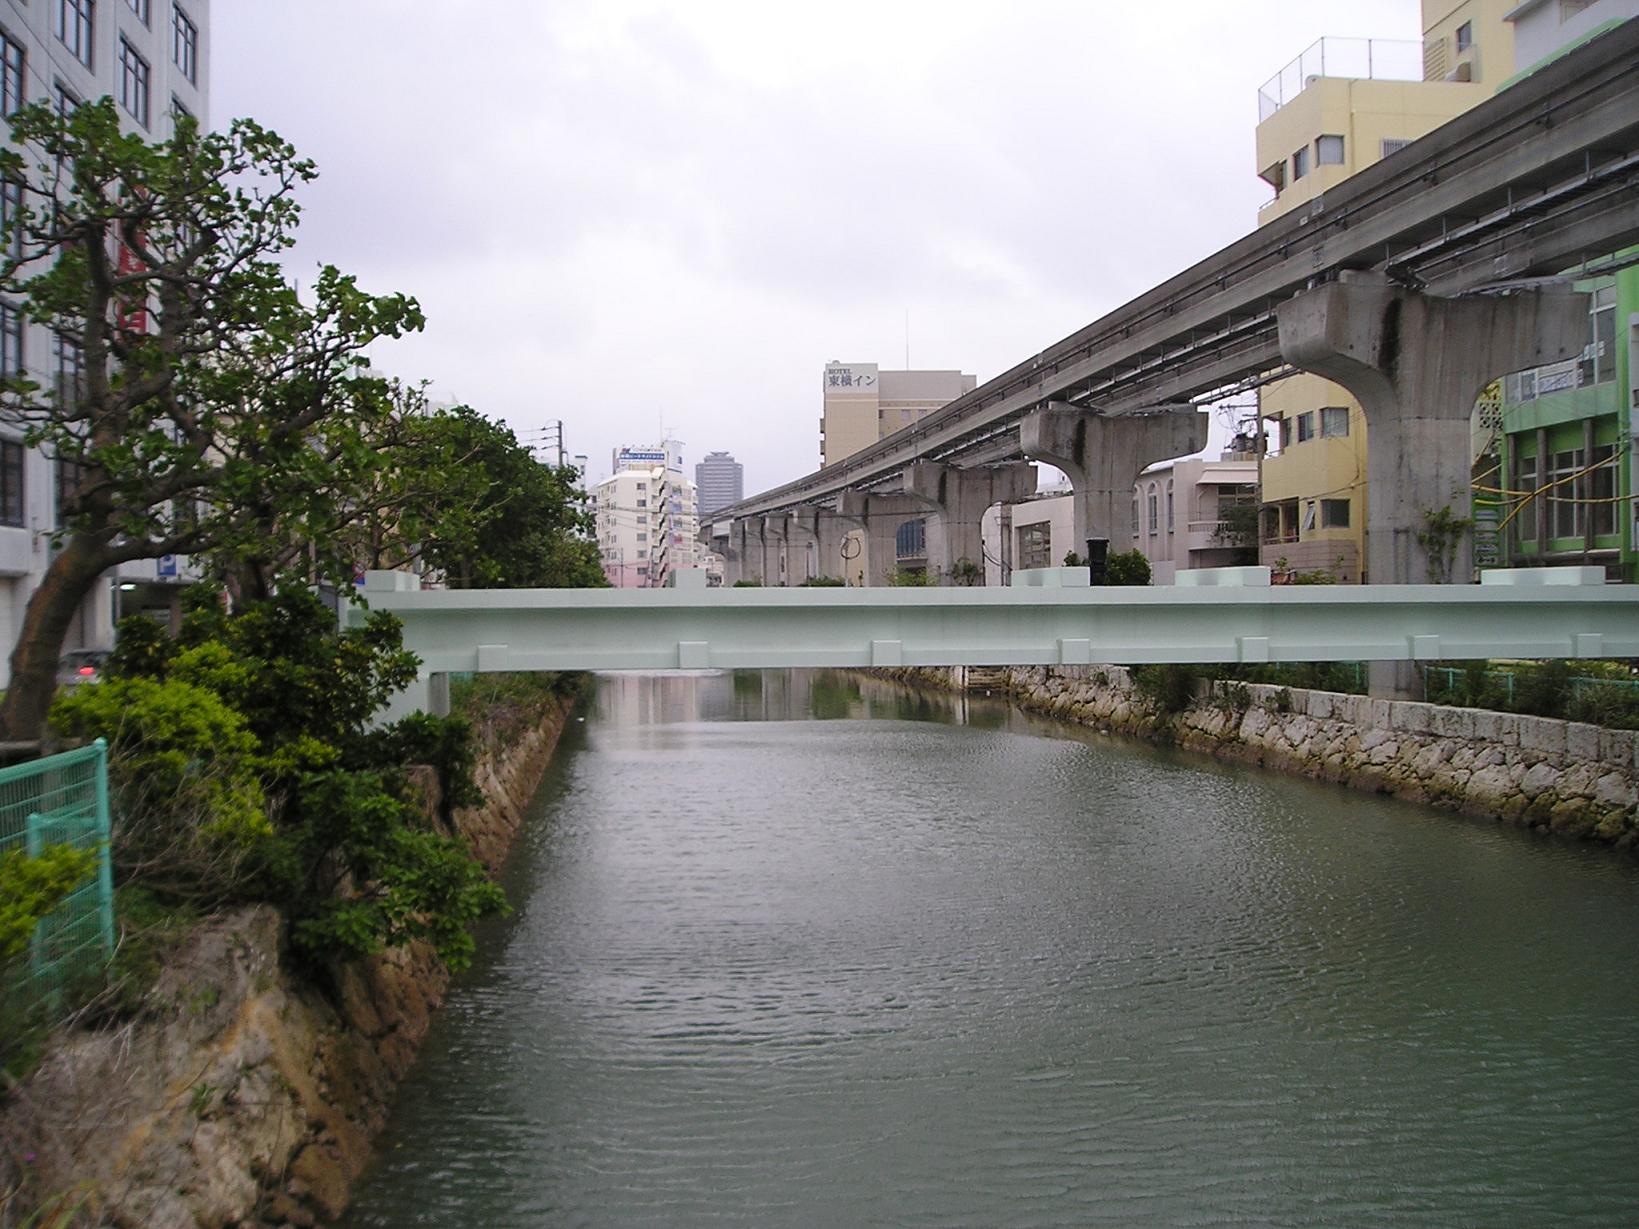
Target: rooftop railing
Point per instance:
(1377, 59)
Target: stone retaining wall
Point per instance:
(1565, 776)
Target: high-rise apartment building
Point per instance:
(864, 404)
(647, 521)
(1341, 106)
(719, 481)
(152, 57)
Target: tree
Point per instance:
(201, 405)
(520, 525)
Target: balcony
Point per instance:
(1364, 59)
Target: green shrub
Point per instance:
(823, 582)
(1127, 567)
(1169, 688)
(912, 578)
(31, 887)
(248, 770)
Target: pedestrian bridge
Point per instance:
(1049, 616)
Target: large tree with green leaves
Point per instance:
(200, 405)
(518, 525)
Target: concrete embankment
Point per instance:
(1564, 776)
(241, 1094)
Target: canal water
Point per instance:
(800, 949)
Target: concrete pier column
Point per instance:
(746, 536)
(1416, 363)
(802, 555)
(1103, 454)
(832, 530)
(956, 500)
(771, 529)
(880, 516)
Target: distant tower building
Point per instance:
(863, 404)
(720, 481)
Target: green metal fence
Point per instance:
(1442, 680)
(63, 800)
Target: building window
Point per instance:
(1036, 545)
(178, 110)
(1598, 362)
(70, 360)
(1153, 507)
(1308, 515)
(1334, 514)
(11, 341)
(1169, 505)
(1306, 426)
(133, 83)
(68, 488)
(1465, 36)
(11, 218)
(1570, 8)
(1285, 433)
(1526, 484)
(1522, 386)
(143, 10)
(1329, 151)
(1566, 521)
(1300, 163)
(67, 99)
(1602, 491)
(910, 540)
(73, 28)
(642, 502)
(11, 483)
(185, 44)
(1392, 145)
(1334, 421)
(1135, 525)
(12, 64)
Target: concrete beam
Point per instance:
(1103, 456)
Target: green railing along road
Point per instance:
(63, 800)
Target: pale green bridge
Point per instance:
(1048, 617)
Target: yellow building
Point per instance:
(864, 404)
(1341, 106)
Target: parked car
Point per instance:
(81, 666)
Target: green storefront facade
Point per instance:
(1567, 464)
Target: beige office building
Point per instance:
(864, 404)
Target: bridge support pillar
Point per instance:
(880, 516)
(1416, 363)
(771, 530)
(839, 551)
(1102, 456)
(746, 551)
(957, 499)
(802, 554)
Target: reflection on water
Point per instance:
(810, 949)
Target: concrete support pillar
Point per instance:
(832, 530)
(802, 554)
(746, 541)
(956, 500)
(1416, 363)
(771, 531)
(880, 516)
(1103, 454)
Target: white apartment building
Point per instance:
(647, 518)
(153, 58)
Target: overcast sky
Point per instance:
(642, 214)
